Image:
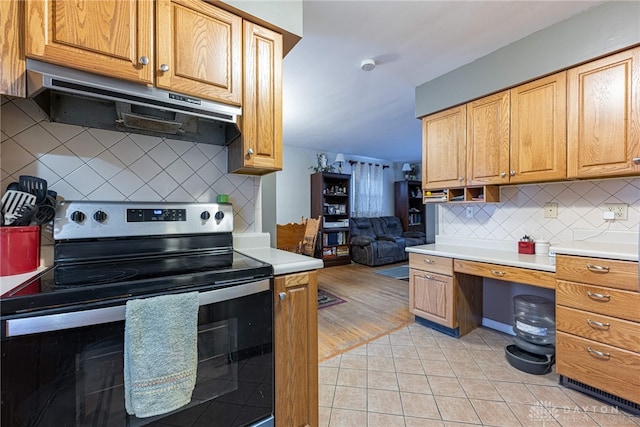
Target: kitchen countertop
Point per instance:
(257, 245)
(490, 251)
(46, 261)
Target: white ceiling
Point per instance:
(331, 105)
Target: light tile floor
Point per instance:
(417, 377)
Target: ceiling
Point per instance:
(331, 105)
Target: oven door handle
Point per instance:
(78, 319)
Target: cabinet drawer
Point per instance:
(607, 301)
(598, 271)
(604, 329)
(599, 365)
(543, 279)
(435, 264)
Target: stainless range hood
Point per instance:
(85, 99)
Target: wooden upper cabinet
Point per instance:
(198, 50)
(539, 130)
(443, 149)
(488, 140)
(603, 124)
(259, 149)
(106, 37)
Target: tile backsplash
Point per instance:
(92, 164)
(520, 211)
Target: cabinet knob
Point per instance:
(636, 160)
(282, 295)
(513, 173)
(164, 68)
(144, 60)
(250, 151)
(503, 174)
(460, 178)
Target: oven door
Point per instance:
(66, 369)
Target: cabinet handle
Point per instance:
(597, 268)
(599, 354)
(250, 152)
(636, 160)
(497, 273)
(144, 60)
(429, 261)
(460, 178)
(598, 296)
(600, 325)
(164, 68)
(426, 276)
(282, 295)
(503, 174)
(513, 173)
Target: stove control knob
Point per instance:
(219, 215)
(78, 217)
(100, 216)
(205, 215)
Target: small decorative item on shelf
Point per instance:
(526, 245)
(321, 164)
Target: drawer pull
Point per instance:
(426, 276)
(429, 261)
(597, 268)
(599, 325)
(599, 354)
(599, 297)
(497, 273)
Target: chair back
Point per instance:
(310, 236)
(289, 237)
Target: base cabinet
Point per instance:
(296, 349)
(598, 324)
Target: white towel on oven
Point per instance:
(160, 353)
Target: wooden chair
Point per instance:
(310, 236)
(289, 237)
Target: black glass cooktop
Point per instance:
(69, 285)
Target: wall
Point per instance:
(91, 164)
(595, 32)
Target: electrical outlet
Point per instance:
(469, 212)
(619, 210)
(551, 210)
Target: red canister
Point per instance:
(19, 249)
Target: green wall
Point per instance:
(600, 30)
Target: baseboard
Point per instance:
(498, 326)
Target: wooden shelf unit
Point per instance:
(474, 194)
(330, 202)
(409, 206)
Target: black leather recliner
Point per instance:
(380, 240)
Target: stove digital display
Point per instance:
(152, 215)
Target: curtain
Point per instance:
(367, 190)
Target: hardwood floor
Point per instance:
(375, 305)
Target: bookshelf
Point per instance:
(409, 205)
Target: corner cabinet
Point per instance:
(330, 202)
(408, 205)
(296, 349)
(259, 149)
(604, 117)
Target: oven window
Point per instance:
(75, 377)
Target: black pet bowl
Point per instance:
(530, 363)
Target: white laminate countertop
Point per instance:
(490, 253)
(46, 261)
(256, 245)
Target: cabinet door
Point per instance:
(106, 37)
(443, 149)
(199, 50)
(296, 349)
(431, 297)
(603, 124)
(539, 130)
(488, 140)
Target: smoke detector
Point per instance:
(367, 64)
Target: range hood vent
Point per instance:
(85, 99)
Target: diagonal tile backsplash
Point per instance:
(93, 164)
(520, 211)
